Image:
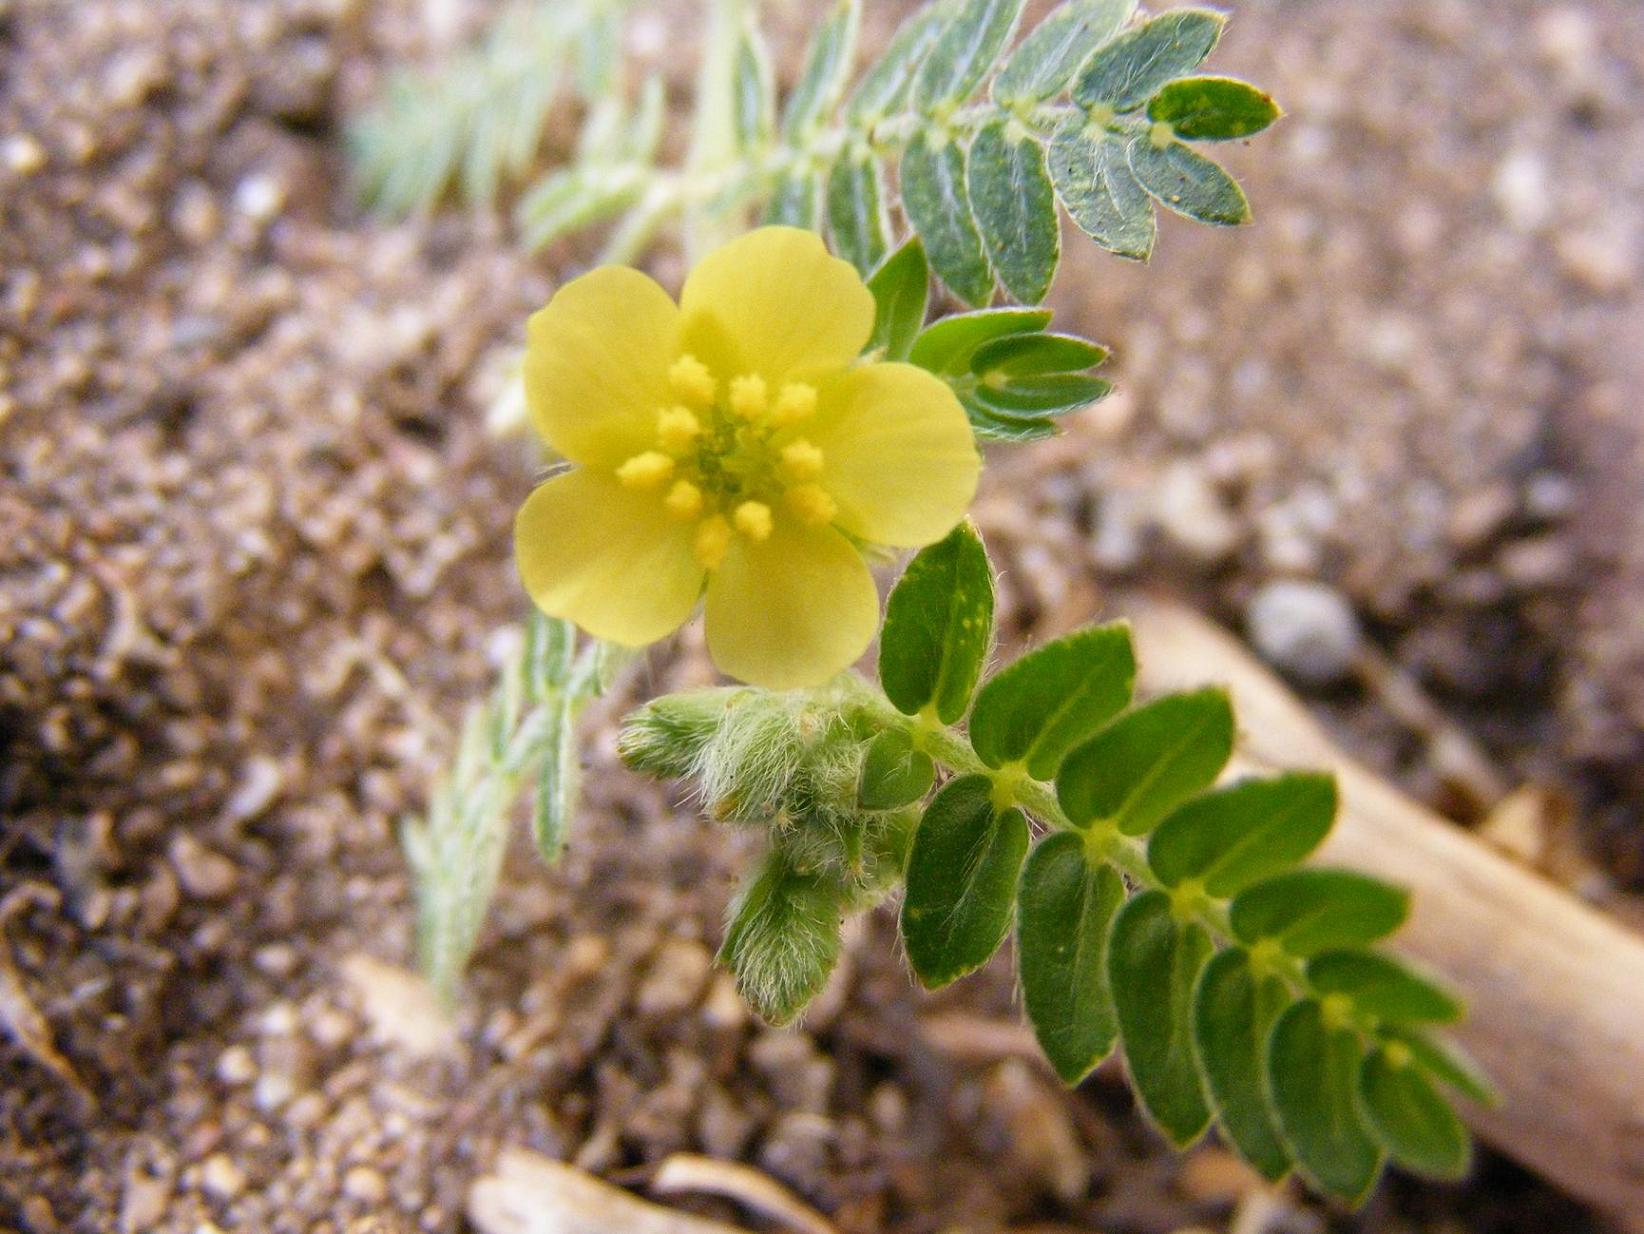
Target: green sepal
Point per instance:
(782, 939)
(961, 881)
(1234, 1010)
(938, 627)
(1213, 108)
(1154, 962)
(1188, 183)
(1065, 910)
(1410, 1119)
(1046, 61)
(1051, 394)
(937, 203)
(1313, 1076)
(901, 294)
(1236, 836)
(1053, 698)
(1128, 71)
(1092, 177)
(894, 774)
(1148, 761)
(1015, 208)
(1387, 990)
(947, 346)
(1318, 909)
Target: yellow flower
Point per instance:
(731, 449)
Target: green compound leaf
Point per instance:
(782, 939)
(937, 204)
(1034, 355)
(948, 346)
(1382, 988)
(1066, 907)
(1234, 1010)
(1144, 764)
(1015, 208)
(1154, 962)
(894, 774)
(1313, 1072)
(1045, 62)
(1239, 835)
(938, 627)
(573, 198)
(961, 882)
(753, 96)
(1048, 701)
(1092, 176)
(1213, 108)
(884, 87)
(1132, 68)
(901, 293)
(973, 35)
(827, 67)
(794, 199)
(1188, 183)
(1309, 911)
(1411, 1120)
(856, 211)
(1053, 394)
(1448, 1063)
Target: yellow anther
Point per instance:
(796, 401)
(713, 537)
(691, 380)
(646, 470)
(801, 460)
(811, 503)
(684, 500)
(749, 397)
(677, 428)
(753, 519)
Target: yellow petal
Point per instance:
(607, 557)
(898, 454)
(774, 303)
(596, 365)
(791, 610)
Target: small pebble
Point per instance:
(220, 1177)
(236, 1065)
(1307, 629)
(204, 873)
(366, 1185)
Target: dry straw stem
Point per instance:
(1555, 988)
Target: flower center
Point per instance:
(730, 457)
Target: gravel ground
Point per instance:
(253, 550)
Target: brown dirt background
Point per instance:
(253, 556)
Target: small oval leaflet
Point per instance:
(1154, 961)
(1037, 709)
(1235, 836)
(1148, 761)
(1313, 1069)
(1414, 1124)
(1318, 909)
(938, 627)
(1382, 987)
(1065, 911)
(961, 881)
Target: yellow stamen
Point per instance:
(691, 380)
(796, 401)
(677, 428)
(753, 519)
(684, 500)
(713, 537)
(801, 460)
(646, 470)
(811, 503)
(749, 397)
